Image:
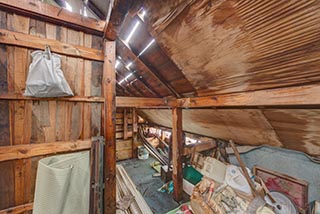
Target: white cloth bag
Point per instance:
(63, 184)
(45, 77)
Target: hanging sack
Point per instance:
(45, 77)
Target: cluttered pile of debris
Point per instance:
(226, 188)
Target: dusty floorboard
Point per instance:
(141, 174)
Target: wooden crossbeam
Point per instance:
(53, 14)
(293, 96)
(34, 42)
(32, 150)
(142, 102)
(290, 96)
(68, 99)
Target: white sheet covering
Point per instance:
(62, 184)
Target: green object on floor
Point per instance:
(156, 165)
(177, 209)
(192, 175)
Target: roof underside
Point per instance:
(226, 46)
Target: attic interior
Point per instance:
(172, 106)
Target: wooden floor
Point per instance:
(141, 174)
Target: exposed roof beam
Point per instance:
(122, 89)
(119, 11)
(152, 71)
(146, 85)
(53, 14)
(95, 10)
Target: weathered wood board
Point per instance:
(35, 122)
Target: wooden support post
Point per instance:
(177, 152)
(125, 124)
(109, 89)
(134, 132)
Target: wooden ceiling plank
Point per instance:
(53, 14)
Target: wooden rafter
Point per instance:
(150, 70)
(127, 86)
(146, 85)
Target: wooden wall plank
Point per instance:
(33, 42)
(27, 151)
(53, 14)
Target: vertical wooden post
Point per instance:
(109, 93)
(177, 151)
(125, 124)
(134, 132)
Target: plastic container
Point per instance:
(143, 153)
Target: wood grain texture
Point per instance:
(28, 151)
(109, 86)
(18, 209)
(177, 153)
(29, 125)
(290, 96)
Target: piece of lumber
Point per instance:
(18, 209)
(177, 151)
(49, 13)
(243, 168)
(142, 102)
(69, 99)
(33, 150)
(29, 41)
(125, 124)
(199, 147)
(137, 102)
(134, 132)
(125, 188)
(290, 96)
(109, 93)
